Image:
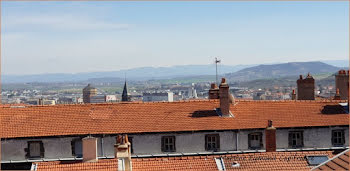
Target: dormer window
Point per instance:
(296, 139)
(255, 140)
(338, 138)
(212, 142)
(168, 144)
(35, 149)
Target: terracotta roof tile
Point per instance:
(250, 161)
(113, 118)
(338, 162)
(101, 165)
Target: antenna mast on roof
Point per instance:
(216, 65)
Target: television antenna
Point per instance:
(216, 67)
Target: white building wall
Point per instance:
(315, 137)
(185, 142)
(54, 148)
(14, 149)
(169, 96)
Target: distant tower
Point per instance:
(342, 83)
(125, 97)
(88, 92)
(306, 88)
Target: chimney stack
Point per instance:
(122, 151)
(270, 137)
(41, 101)
(342, 83)
(294, 95)
(90, 149)
(306, 88)
(225, 98)
(214, 91)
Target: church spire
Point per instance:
(125, 97)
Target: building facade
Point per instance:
(153, 97)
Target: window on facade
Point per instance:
(255, 140)
(35, 149)
(168, 144)
(212, 142)
(296, 139)
(77, 148)
(338, 138)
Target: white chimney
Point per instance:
(122, 151)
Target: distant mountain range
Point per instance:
(337, 63)
(280, 70)
(136, 74)
(234, 73)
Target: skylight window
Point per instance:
(316, 160)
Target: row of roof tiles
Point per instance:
(36, 121)
(249, 161)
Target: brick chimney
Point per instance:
(306, 88)
(122, 151)
(90, 149)
(294, 95)
(342, 83)
(214, 91)
(225, 98)
(270, 137)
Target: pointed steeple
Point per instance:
(125, 97)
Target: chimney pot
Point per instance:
(214, 91)
(213, 86)
(294, 95)
(269, 123)
(270, 137)
(122, 151)
(223, 80)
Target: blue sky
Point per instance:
(70, 37)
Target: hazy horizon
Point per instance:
(76, 37)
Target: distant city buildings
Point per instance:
(152, 97)
(305, 89)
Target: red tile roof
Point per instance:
(338, 162)
(33, 121)
(101, 165)
(274, 160)
(175, 163)
(249, 161)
